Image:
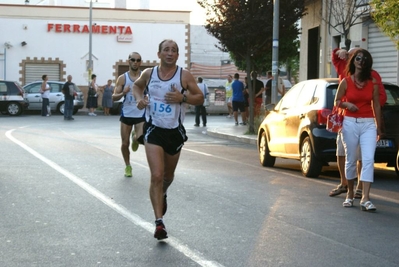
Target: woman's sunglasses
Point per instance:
(359, 58)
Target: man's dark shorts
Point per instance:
(131, 121)
(238, 106)
(171, 140)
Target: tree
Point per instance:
(344, 14)
(386, 16)
(245, 29)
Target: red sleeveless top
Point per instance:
(361, 97)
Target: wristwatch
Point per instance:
(184, 98)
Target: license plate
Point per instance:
(384, 143)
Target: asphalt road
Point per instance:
(65, 202)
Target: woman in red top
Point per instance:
(361, 126)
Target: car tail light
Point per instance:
(322, 116)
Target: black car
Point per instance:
(295, 128)
(12, 98)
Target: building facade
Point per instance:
(54, 40)
(318, 40)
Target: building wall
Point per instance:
(203, 50)
(365, 35)
(310, 21)
(29, 24)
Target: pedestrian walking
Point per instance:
(200, 110)
(358, 95)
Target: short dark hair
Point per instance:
(93, 76)
(200, 79)
(44, 76)
(133, 53)
(236, 76)
(167, 40)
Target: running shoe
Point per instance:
(128, 171)
(160, 231)
(135, 143)
(165, 205)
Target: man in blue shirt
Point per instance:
(238, 99)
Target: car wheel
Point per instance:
(14, 109)
(310, 166)
(60, 108)
(264, 153)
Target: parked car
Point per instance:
(295, 128)
(12, 98)
(56, 98)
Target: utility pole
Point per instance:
(276, 22)
(90, 65)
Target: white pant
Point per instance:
(359, 132)
(341, 148)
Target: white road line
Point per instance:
(132, 217)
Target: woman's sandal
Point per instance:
(367, 206)
(339, 190)
(358, 193)
(348, 203)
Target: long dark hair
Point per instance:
(367, 61)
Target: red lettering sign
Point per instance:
(76, 28)
(100, 29)
(67, 28)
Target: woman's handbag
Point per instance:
(334, 120)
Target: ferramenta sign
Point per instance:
(76, 28)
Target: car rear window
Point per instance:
(392, 92)
(9, 88)
(330, 95)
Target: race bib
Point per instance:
(160, 109)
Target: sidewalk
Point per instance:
(222, 127)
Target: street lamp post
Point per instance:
(276, 21)
(90, 65)
(5, 62)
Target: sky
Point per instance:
(197, 16)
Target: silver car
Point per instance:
(32, 93)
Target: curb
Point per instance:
(243, 139)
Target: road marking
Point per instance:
(132, 217)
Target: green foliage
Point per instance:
(386, 16)
(245, 29)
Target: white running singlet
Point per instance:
(159, 113)
(129, 105)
